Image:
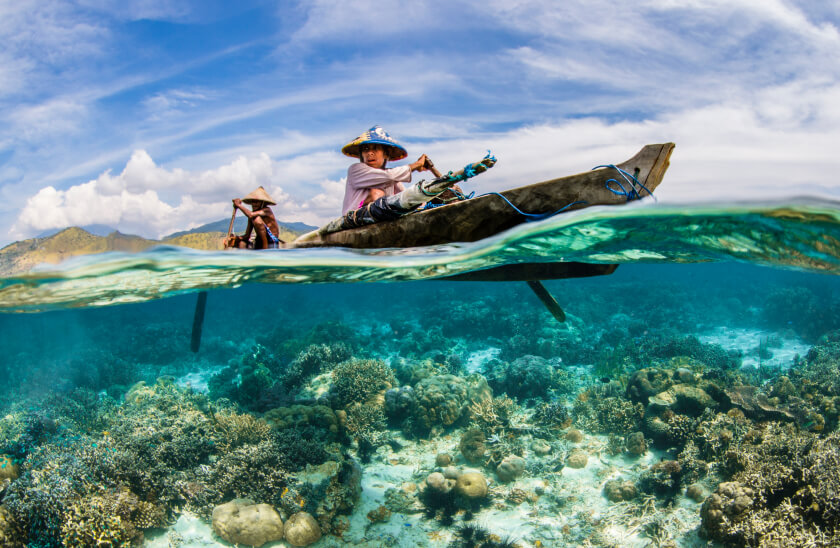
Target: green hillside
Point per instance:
(19, 257)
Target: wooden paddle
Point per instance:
(230, 227)
(431, 167)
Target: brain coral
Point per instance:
(439, 400)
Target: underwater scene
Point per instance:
(691, 398)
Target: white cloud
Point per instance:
(42, 41)
(57, 117)
(367, 20)
(162, 10)
(51, 32)
(778, 141)
(777, 12)
(133, 201)
(172, 102)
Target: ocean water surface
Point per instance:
(691, 398)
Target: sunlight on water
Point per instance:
(802, 235)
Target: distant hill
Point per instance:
(70, 242)
(239, 226)
(22, 256)
(95, 229)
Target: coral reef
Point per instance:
(240, 521)
(365, 423)
(472, 445)
(783, 490)
(577, 459)
(525, 377)
(355, 381)
(302, 529)
(511, 467)
(607, 415)
(663, 478)
(631, 424)
(620, 490)
(439, 401)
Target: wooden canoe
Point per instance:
(478, 218)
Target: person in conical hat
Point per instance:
(369, 179)
(261, 221)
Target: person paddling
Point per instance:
(374, 193)
(369, 179)
(261, 221)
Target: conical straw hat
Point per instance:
(259, 195)
(375, 135)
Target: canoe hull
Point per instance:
(529, 272)
(478, 218)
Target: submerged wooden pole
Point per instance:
(198, 321)
(550, 303)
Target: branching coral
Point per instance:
(789, 483)
(237, 429)
(10, 535)
(553, 415)
(492, 415)
(607, 415)
(358, 380)
(312, 360)
(366, 424)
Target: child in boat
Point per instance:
(369, 179)
(376, 194)
(261, 220)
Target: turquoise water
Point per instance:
(803, 235)
(715, 342)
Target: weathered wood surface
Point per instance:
(478, 218)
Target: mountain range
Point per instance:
(55, 246)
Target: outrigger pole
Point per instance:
(198, 321)
(201, 303)
(547, 299)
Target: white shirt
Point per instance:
(361, 178)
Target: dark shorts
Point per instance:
(382, 209)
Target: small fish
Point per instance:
(605, 380)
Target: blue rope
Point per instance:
(528, 216)
(533, 216)
(633, 193)
(469, 170)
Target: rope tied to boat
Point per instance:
(631, 194)
(631, 180)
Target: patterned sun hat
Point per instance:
(374, 136)
(259, 195)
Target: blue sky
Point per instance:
(149, 116)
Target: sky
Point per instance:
(149, 116)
